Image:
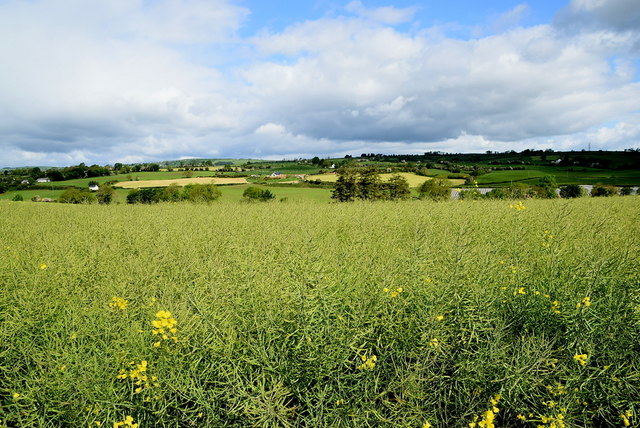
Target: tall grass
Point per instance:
(280, 309)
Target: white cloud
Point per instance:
(122, 81)
(386, 15)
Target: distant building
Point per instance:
(94, 188)
(43, 180)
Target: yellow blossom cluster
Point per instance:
(138, 374)
(556, 421)
(127, 423)
(520, 290)
(434, 343)
(581, 359)
(393, 293)
(488, 417)
(118, 303)
(586, 302)
(557, 389)
(368, 363)
(555, 307)
(518, 207)
(625, 417)
(165, 327)
(426, 424)
(43, 266)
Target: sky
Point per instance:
(150, 80)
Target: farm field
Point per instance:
(180, 182)
(531, 176)
(229, 193)
(414, 180)
(357, 315)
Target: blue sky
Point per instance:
(150, 80)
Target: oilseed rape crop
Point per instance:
(421, 314)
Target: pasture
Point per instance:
(414, 180)
(416, 314)
(180, 182)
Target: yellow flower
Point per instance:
(385, 289)
(625, 417)
(369, 363)
(15, 395)
(586, 302)
(426, 425)
(581, 358)
(521, 417)
(128, 423)
(119, 303)
(43, 266)
(434, 343)
(428, 280)
(439, 317)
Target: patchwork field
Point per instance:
(181, 182)
(382, 314)
(414, 180)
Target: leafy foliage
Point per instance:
(254, 193)
(437, 188)
(77, 196)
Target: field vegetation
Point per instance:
(413, 314)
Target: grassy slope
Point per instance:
(276, 307)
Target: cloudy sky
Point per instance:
(150, 80)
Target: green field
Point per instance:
(353, 315)
(563, 176)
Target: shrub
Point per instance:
(437, 188)
(77, 196)
(604, 190)
(572, 191)
(18, 197)
(105, 195)
(253, 193)
(624, 191)
(201, 192)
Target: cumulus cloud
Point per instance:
(616, 15)
(134, 80)
(386, 15)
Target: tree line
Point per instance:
(365, 184)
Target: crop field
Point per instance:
(414, 180)
(181, 182)
(413, 314)
(586, 176)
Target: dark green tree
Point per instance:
(370, 185)
(397, 188)
(105, 195)
(346, 188)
